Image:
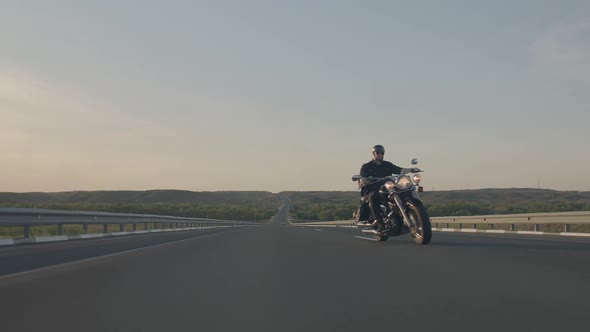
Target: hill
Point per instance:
(307, 205)
(334, 205)
(233, 205)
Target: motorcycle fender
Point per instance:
(416, 197)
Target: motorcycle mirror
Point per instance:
(414, 161)
(356, 177)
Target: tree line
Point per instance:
(235, 211)
(327, 212)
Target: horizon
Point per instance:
(275, 193)
(259, 96)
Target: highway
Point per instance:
(278, 277)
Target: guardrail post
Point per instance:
(436, 225)
(568, 228)
(121, 227)
(105, 228)
(60, 229)
(135, 227)
(85, 228)
(492, 226)
(474, 226)
(448, 226)
(27, 231)
(145, 226)
(460, 226)
(512, 227)
(537, 227)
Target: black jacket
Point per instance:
(379, 171)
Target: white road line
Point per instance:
(365, 238)
(57, 266)
(318, 230)
(574, 234)
(516, 238)
(6, 242)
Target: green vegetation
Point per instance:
(313, 205)
(340, 205)
(215, 205)
(229, 211)
(323, 205)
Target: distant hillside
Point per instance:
(331, 205)
(127, 197)
(494, 196)
(233, 205)
(310, 205)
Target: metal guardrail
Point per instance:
(537, 219)
(567, 219)
(27, 218)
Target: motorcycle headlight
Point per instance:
(403, 182)
(389, 185)
(417, 178)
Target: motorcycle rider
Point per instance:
(376, 168)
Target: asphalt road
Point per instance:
(14, 259)
(284, 278)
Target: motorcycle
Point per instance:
(403, 210)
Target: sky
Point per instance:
(292, 95)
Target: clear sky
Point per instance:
(291, 95)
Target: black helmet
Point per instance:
(379, 148)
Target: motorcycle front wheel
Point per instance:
(422, 232)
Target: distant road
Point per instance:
(283, 278)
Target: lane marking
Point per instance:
(318, 230)
(6, 242)
(85, 260)
(365, 238)
(574, 234)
